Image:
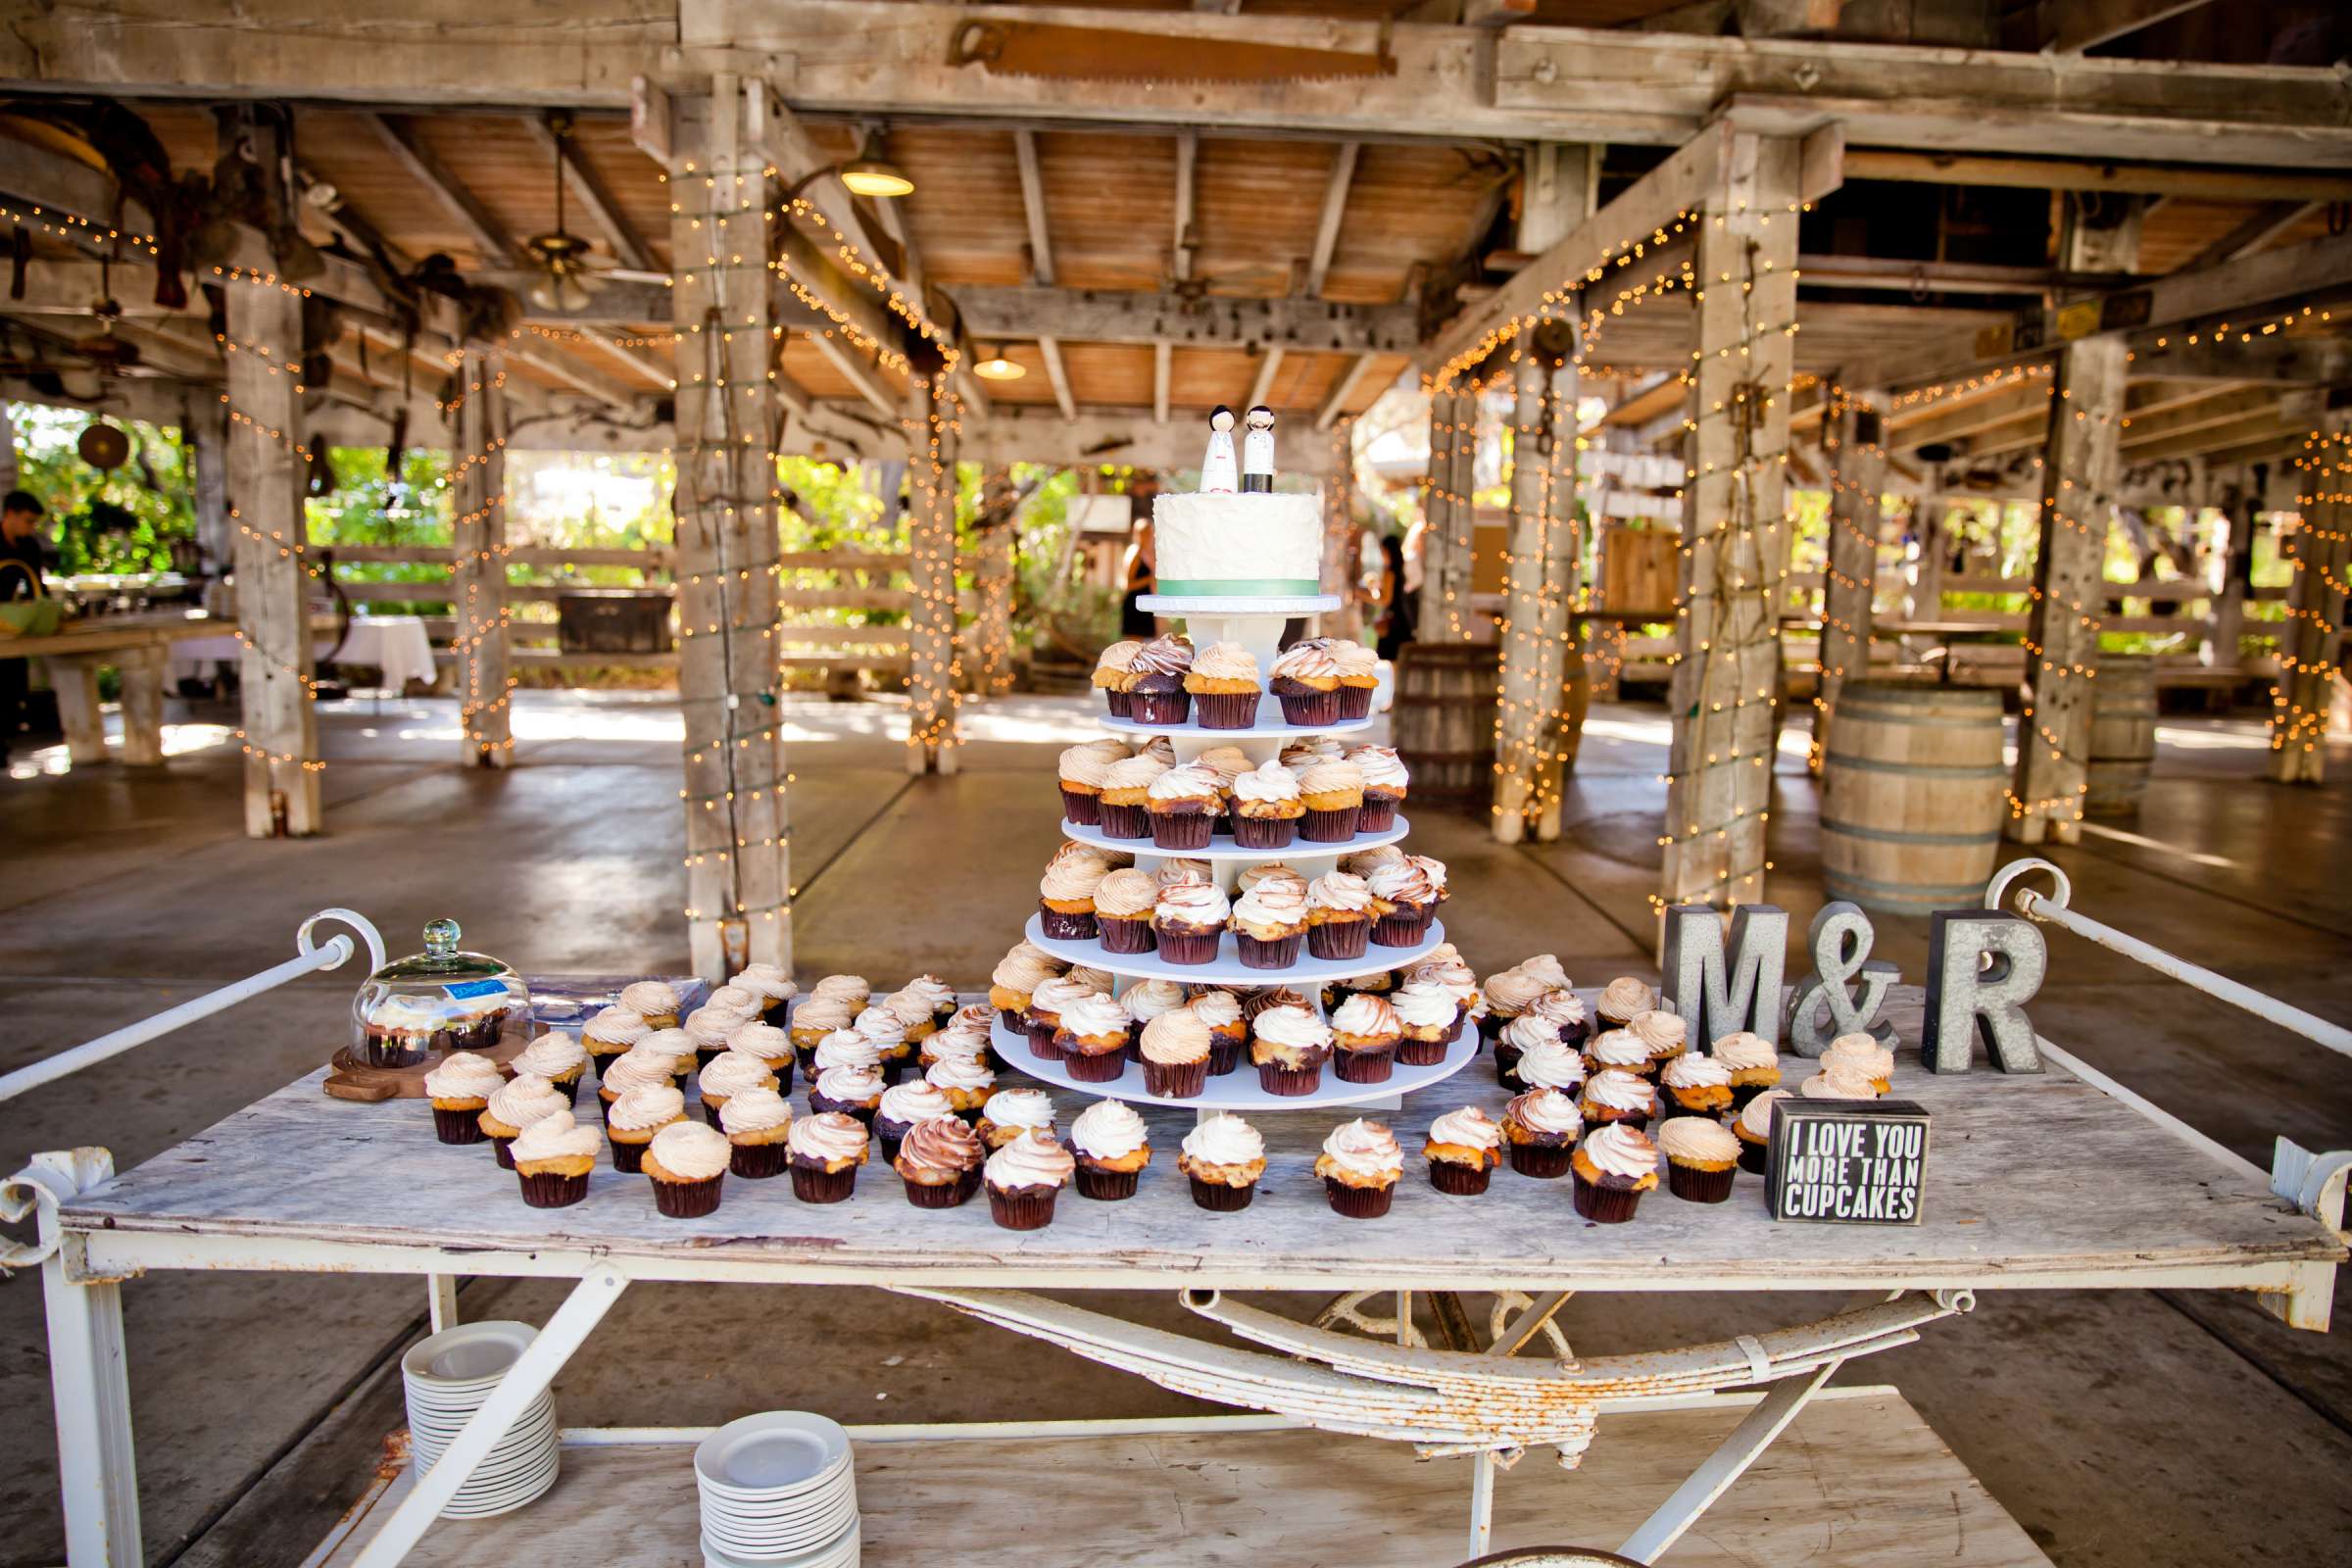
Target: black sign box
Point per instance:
(1847, 1162)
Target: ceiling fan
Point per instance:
(569, 270)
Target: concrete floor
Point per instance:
(2121, 1428)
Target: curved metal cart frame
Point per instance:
(1484, 1402)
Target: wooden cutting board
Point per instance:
(354, 1079)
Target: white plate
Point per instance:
(841, 1554)
(836, 1473)
(490, 1509)
(1228, 967)
(1269, 725)
(497, 1470)
(806, 1537)
(1224, 849)
(453, 1422)
(766, 1513)
(469, 1355)
(772, 1455)
(1239, 1088)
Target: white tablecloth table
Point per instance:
(397, 644)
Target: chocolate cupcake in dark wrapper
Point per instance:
(1463, 1147)
(1188, 920)
(939, 1160)
(687, 1162)
(1613, 1166)
(552, 1158)
(1023, 1178)
(1360, 1165)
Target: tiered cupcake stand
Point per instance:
(1255, 624)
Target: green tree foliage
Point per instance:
(119, 521)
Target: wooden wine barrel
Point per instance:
(2123, 734)
(1443, 724)
(1912, 795)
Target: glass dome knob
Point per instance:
(441, 938)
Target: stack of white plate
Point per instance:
(778, 1492)
(447, 1377)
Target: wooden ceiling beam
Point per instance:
(2286, 183)
(859, 371)
(1033, 207)
(1048, 348)
(1335, 211)
(589, 187)
(2259, 230)
(2141, 430)
(2278, 358)
(1261, 385)
(2070, 27)
(419, 161)
(662, 373)
(1164, 376)
(1111, 316)
(1034, 435)
(1334, 403)
(1181, 248)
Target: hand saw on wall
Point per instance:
(1104, 53)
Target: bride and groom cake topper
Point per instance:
(1257, 453)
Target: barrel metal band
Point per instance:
(1886, 835)
(1868, 764)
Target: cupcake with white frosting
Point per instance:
(729, 1074)
(1359, 677)
(823, 1152)
(1066, 894)
(1091, 1039)
(1542, 1127)
(1463, 1147)
(1081, 769)
(1861, 1053)
(1613, 1095)
(632, 1120)
(1269, 922)
(1045, 1011)
(767, 1045)
(1614, 1166)
(1023, 968)
(1692, 1085)
(1223, 1158)
(757, 1122)
(1364, 1034)
(1360, 1165)
(1289, 1045)
(1125, 795)
(968, 1082)
(611, 1032)
(818, 1016)
(903, 1106)
(1023, 1178)
(1754, 1064)
(1430, 1021)
(552, 1158)
(557, 1057)
(939, 1160)
(460, 1088)
(655, 1001)
(1753, 1128)
(1228, 1031)
(1175, 1050)
(1701, 1157)
(1513, 1042)
(1123, 903)
(1112, 666)
(1339, 915)
(1182, 804)
(515, 1105)
(1386, 782)
(1012, 1112)
(687, 1163)
(1266, 807)
(772, 987)
(1188, 920)
(1663, 1032)
(854, 1092)
(1333, 789)
(1623, 999)
(1112, 1148)
(1223, 681)
(1306, 680)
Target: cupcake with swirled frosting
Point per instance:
(1512, 1041)
(1124, 797)
(687, 1163)
(631, 1121)
(1333, 789)
(923, 1004)
(852, 989)
(1861, 1053)
(772, 986)
(1081, 769)
(1754, 1064)
(1463, 1147)
(939, 1160)
(766, 1044)
(552, 1158)
(1339, 915)
(1111, 1147)
(1289, 1045)
(557, 1057)
(1269, 923)
(1360, 1165)
(1753, 1128)
(1266, 807)
(823, 1152)
(1156, 681)
(817, 1016)
(1614, 1166)
(1024, 1178)
(1305, 680)
(1616, 1095)
(903, 1106)
(1364, 1034)
(1228, 1029)
(1147, 1000)
(1188, 919)
(730, 1073)
(1223, 1158)
(1115, 666)
(1223, 681)
(1182, 805)
(1123, 903)
(757, 1122)
(1618, 1049)
(1838, 1083)
(855, 1091)
(1507, 995)
(1692, 1085)
(1701, 1157)
(1431, 1021)
(1045, 1013)
(515, 1105)
(1623, 999)
(1012, 1112)
(1540, 1128)
(611, 1032)
(968, 1082)
(1175, 1053)
(1663, 1031)
(1359, 677)
(1023, 968)
(459, 1088)
(1066, 894)
(1091, 1038)
(655, 1001)
(1405, 899)
(1386, 782)
(1548, 1064)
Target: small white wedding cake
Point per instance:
(1245, 542)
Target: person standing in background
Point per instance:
(1400, 608)
(21, 559)
(1138, 572)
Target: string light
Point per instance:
(2309, 665)
(79, 230)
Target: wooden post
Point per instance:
(265, 462)
(931, 575)
(738, 861)
(987, 668)
(143, 672)
(206, 435)
(479, 445)
(2309, 661)
(1342, 565)
(1931, 514)
(1445, 538)
(1727, 661)
(2080, 467)
(1850, 438)
(79, 713)
(1530, 721)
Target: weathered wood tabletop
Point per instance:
(2037, 1180)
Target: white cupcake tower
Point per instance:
(1256, 624)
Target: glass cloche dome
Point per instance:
(437, 1001)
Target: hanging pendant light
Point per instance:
(997, 367)
(869, 174)
(564, 280)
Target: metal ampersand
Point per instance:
(1840, 939)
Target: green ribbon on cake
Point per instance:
(1237, 587)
